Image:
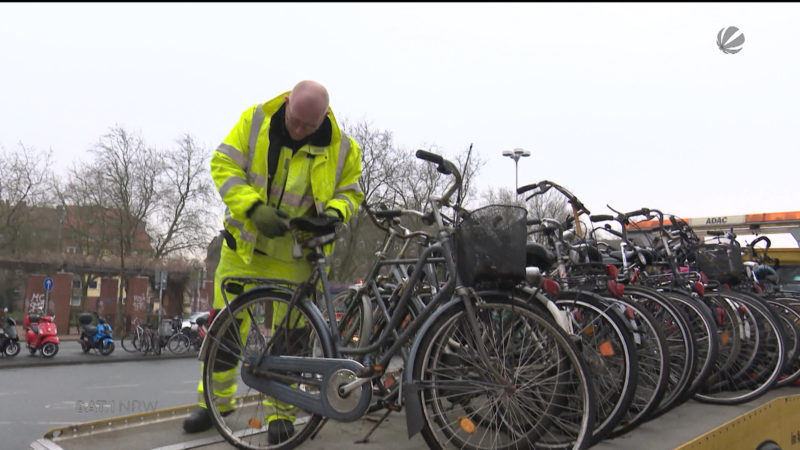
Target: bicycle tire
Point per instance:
(758, 367)
(654, 365)
(609, 351)
(245, 427)
(552, 405)
(790, 318)
(178, 344)
(706, 341)
(681, 343)
(129, 342)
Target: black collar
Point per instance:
(320, 138)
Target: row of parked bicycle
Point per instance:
(496, 331)
(174, 334)
(41, 335)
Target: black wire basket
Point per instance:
(490, 245)
(721, 262)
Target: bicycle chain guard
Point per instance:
(329, 373)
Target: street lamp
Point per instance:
(516, 154)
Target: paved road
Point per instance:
(36, 399)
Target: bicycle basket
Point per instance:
(720, 262)
(490, 245)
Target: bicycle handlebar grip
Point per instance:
(534, 222)
(526, 188)
(638, 212)
(388, 214)
(715, 232)
(428, 156)
(601, 217)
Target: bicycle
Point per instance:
(131, 342)
(459, 385)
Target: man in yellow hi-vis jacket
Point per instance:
(317, 170)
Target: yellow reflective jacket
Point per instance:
(239, 171)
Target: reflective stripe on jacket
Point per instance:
(239, 170)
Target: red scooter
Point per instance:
(41, 335)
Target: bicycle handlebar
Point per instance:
(428, 156)
(545, 186)
(445, 167)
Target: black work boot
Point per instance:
(199, 420)
(280, 430)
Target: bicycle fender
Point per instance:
(414, 421)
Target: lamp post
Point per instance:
(516, 154)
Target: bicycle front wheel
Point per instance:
(514, 382)
(178, 343)
(257, 321)
(130, 342)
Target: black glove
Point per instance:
(269, 220)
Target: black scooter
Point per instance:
(9, 340)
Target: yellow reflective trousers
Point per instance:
(230, 264)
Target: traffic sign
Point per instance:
(48, 284)
(161, 279)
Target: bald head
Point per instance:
(306, 107)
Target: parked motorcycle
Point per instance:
(9, 341)
(99, 337)
(41, 335)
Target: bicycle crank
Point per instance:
(323, 386)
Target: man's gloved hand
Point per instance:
(268, 220)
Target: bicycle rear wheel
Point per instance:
(534, 391)
(253, 323)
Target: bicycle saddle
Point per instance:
(538, 256)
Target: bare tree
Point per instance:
(179, 221)
(395, 178)
(24, 182)
(127, 173)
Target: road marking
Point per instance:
(113, 387)
(62, 405)
(14, 393)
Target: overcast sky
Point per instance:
(627, 104)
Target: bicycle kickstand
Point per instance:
(365, 439)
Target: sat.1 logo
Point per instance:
(730, 40)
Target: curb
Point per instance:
(24, 361)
